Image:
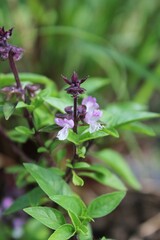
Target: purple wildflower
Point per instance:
(18, 227)
(6, 202)
(6, 49)
(66, 124)
(93, 114)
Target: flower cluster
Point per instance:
(93, 114)
(88, 112)
(6, 49)
(75, 85)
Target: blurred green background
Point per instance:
(115, 39)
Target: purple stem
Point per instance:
(14, 70)
(75, 114)
(27, 114)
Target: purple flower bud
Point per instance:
(32, 89)
(13, 91)
(69, 109)
(75, 89)
(6, 49)
(65, 124)
(16, 52)
(81, 112)
(4, 35)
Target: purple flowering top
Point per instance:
(88, 112)
(6, 48)
(75, 85)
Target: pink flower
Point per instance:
(66, 124)
(93, 114)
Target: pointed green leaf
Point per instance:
(57, 103)
(103, 205)
(89, 136)
(49, 180)
(87, 235)
(77, 181)
(78, 225)
(104, 176)
(49, 128)
(50, 217)
(31, 198)
(80, 165)
(119, 114)
(24, 130)
(94, 83)
(70, 203)
(64, 232)
(116, 162)
(139, 128)
(8, 109)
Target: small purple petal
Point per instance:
(90, 103)
(95, 127)
(93, 114)
(64, 122)
(74, 77)
(63, 133)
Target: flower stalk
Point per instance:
(14, 70)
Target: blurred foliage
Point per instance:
(117, 39)
(114, 40)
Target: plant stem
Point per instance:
(75, 114)
(27, 114)
(14, 70)
(14, 147)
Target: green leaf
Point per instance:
(17, 136)
(95, 83)
(7, 79)
(78, 225)
(52, 144)
(103, 176)
(24, 130)
(105, 204)
(49, 128)
(111, 131)
(116, 162)
(42, 150)
(77, 181)
(80, 165)
(8, 109)
(31, 198)
(81, 151)
(70, 203)
(49, 180)
(64, 232)
(57, 103)
(50, 217)
(139, 128)
(22, 105)
(87, 235)
(73, 137)
(89, 136)
(120, 114)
